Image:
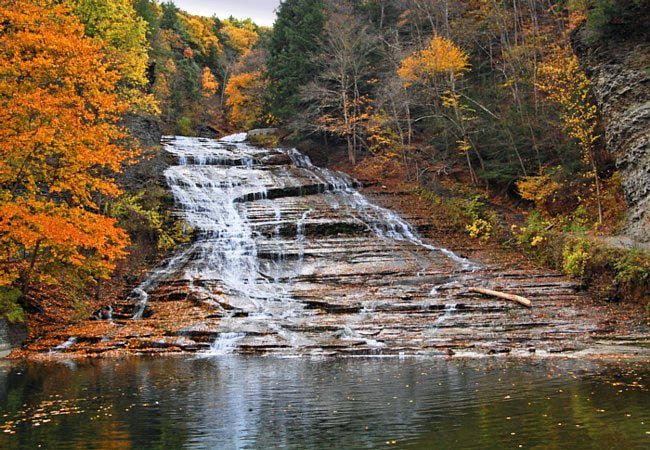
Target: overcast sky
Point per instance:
(261, 11)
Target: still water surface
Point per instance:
(237, 402)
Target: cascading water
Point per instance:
(234, 196)
(383, 222)
(225, 344)
(290, 259)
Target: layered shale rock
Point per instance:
(619, 68)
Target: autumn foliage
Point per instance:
(245, 93)
(209, 83)
(240, 38)
(440, 57)
(564, 82)
(59, 149)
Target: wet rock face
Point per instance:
(618, 69)
(292, 259)
(12, 335)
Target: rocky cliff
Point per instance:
(619, 67)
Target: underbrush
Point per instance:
(469, 214)
(613, 274)
(264, 140)
(563, 243)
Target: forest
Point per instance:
(486, 98)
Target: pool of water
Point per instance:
(237, 402)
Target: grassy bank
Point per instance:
(608, 271)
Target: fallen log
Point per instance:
(515, 298)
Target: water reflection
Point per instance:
(236, 402)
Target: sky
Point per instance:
(261, 11)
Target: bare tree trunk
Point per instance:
(351, 156)
(472, 173)
(348, 130)
(26, 275)
(594, 167)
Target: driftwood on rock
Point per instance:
(515, 298)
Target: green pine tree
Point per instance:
(294, 39)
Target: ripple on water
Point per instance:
(238, 402)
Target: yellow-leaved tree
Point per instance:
(59, 149)
(200, 32)
(124, 37)
(440, 58)
(563, 81)
(241, 38)
(438, 68)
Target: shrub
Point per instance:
(9, 307)
(184, 126)
(576, 255)
(531, 235)
(482, 221)
(633, 273)
(479, 229)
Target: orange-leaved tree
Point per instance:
(59, 149)
(209, 83)
(245, 93)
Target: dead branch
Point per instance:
(515, 298)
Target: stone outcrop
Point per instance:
(619, 68)
(12, 336)
(264, 132)
(144, 128)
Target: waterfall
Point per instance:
(242, 201)
(67, 344)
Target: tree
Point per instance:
(245, 95)
(441, 58)
(438, 67)
(59, 148)
(124, 34)
(198, 33)
(208, 113)
(151, 12)
(240, 38)
(564, 82)
(339, 98)
(293, 41)
(209, 83)
(170, 19)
